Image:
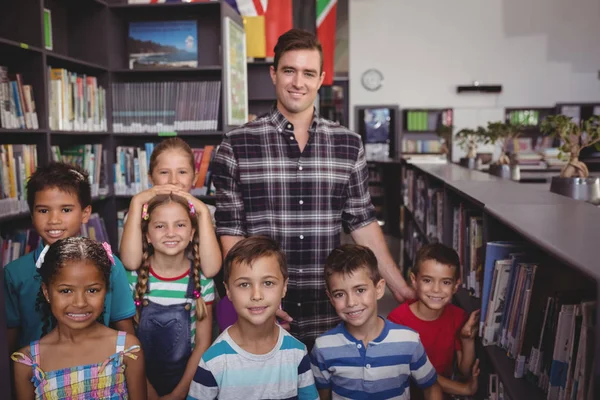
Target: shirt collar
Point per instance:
(280, 122)
(382, 335)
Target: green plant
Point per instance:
(574, 137)
(445, 133)
(503, 134)
(469, 139)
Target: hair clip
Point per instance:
(145, 215)
(108, 252)
(192, 208)
(137, 302)
(78, 174)
(196, 294)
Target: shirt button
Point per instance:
(368, 366)
(301, 237)
(291, 138)
(299, 304)
(300, 270)
(289, 126)
(300, 168)
(301, 202)
(359, 346)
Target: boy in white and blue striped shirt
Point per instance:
(366, 356)
(255, 359)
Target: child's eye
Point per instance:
(159, 226)
(338, 295)
(94, 290)
(269, 283)
(361, 290)
(181, 225)
(67, 210)
(426, 280)
(65, 291)
(447, 282)
(183, 172)
(42, 210)
(244, 285)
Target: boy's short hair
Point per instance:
(65, 177)
(248, 250)
(348, 258)
(441, 254)
(296, 39)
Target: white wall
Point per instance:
(541, 52)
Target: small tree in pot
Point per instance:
(468, 140)
(503, 134)
(574, 137)
(574, 180)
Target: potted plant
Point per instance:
(468, 140)
(574, 180)
(503, 133)
(444, 132)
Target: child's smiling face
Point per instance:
(76, 294)
(435, 284)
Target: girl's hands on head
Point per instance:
(147, 195)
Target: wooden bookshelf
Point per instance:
(421, 125)
(559, 231)
(90, 37)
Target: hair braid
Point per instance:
(201, 310)
(142, 281)
(42, 306)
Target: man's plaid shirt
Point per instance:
(266, 186)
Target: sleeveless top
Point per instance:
(105, 380)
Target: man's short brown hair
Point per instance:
(349, 258)
(296, 39)
(248, 250)
(441, 254)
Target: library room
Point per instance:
(370, 199)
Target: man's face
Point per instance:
(297, 80)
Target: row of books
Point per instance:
(165, 106)
(421, 146)
(18, 243)
(77, 103)
(18, 162)
(575, 112)
(133, 163)
(524, 117)
(90, 157)
(421, 120)
(549, 332)
(559, 356)
(17, 104)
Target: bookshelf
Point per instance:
(557, 233)
(90, 37)
(420, 127)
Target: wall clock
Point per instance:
(372, 79)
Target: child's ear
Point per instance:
(380, 288)
(45, 292)
(457, 285)
(227, 290)
(285, 283)
(192, 235)
(330, 297)
(413, 279)
(85, 214)
(150, 180)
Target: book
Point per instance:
(163, 44)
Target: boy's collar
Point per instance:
(379, 338)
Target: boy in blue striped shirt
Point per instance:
(255, 359)
(366, 356)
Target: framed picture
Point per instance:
(236, 73)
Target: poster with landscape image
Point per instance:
(163, 44)
(236, 73)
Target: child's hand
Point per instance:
(470, 327)
(472, 383)
(147, 195)
(201, 208)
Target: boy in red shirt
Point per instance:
(444, 328)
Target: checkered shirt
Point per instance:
(267, 186)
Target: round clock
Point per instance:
(372, 79)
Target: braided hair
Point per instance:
(61, 252)
(143, 273)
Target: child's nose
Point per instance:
(80, 299)
(257, 293)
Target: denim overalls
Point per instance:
(165, 335)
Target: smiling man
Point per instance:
(298, 178)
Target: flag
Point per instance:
(249, 8)
(326, 20)
(305, 15)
